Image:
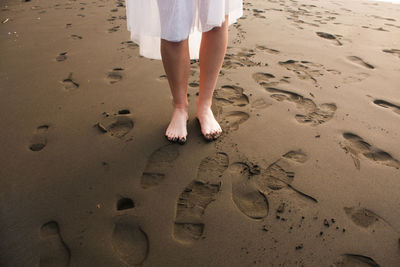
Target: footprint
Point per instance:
(130, 44)
(233, 119)
(195, 198)
(304, 70)
(158, 165)
(329, 37)
(62, 56)
(247, 198)
(242, 58)
(267, 79)
(268, 50)
(39, 140)
(117, 125)
(260, 103)
(359, 61)
(257, 13)
(354, 260)
(115, 75)
(392, 51)
(53, 251)
(70, 84)
(314, 115)
(279, 175)
(388, 105)
(358, 77)
(355, 145)
(232, 95)
(76, 37)
(361, 216)
(129, 241)
(113, 29)
(262, 77)
(320, 115)
(125, 203)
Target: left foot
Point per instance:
(210, 128)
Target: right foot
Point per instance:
(210, 128)
(176, 130)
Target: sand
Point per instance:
(305, 174)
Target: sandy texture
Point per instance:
(305, 174)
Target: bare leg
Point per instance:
(176, 61)
(212, 53)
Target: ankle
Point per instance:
(184, 106)
(203, 105)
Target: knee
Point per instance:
(172, 43)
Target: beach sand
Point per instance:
(306, 172)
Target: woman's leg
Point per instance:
(176, 61)
(212, 53)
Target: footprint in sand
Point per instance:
(260, 103)
(115, 75)
(39, 140)
(263, 77)
(356, 146)
(195, 198)
(61, 57)
(386, 104)
(159, 164)
(247, 198)
(231, 95)
(125, 203)
(69, 84)
(361, 216)
(304, 70)
(231, 120)
(267, 79)
(113, 29)
(117, 125)
(129, 241)
(130, 44)
(354, 260)
(279, 175)
(392, 51)
(313, 114)
(76, 37)
(268, 50)
(359, 61)
(329, 37)
(357, 77)
(241, 58)
(53, 251)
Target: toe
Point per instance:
(208, 136)
(182, 140)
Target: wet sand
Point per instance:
(305, 174)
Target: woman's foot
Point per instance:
(176, 130)
(210, 128)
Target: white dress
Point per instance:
(175, 20)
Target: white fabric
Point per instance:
(175, 20)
